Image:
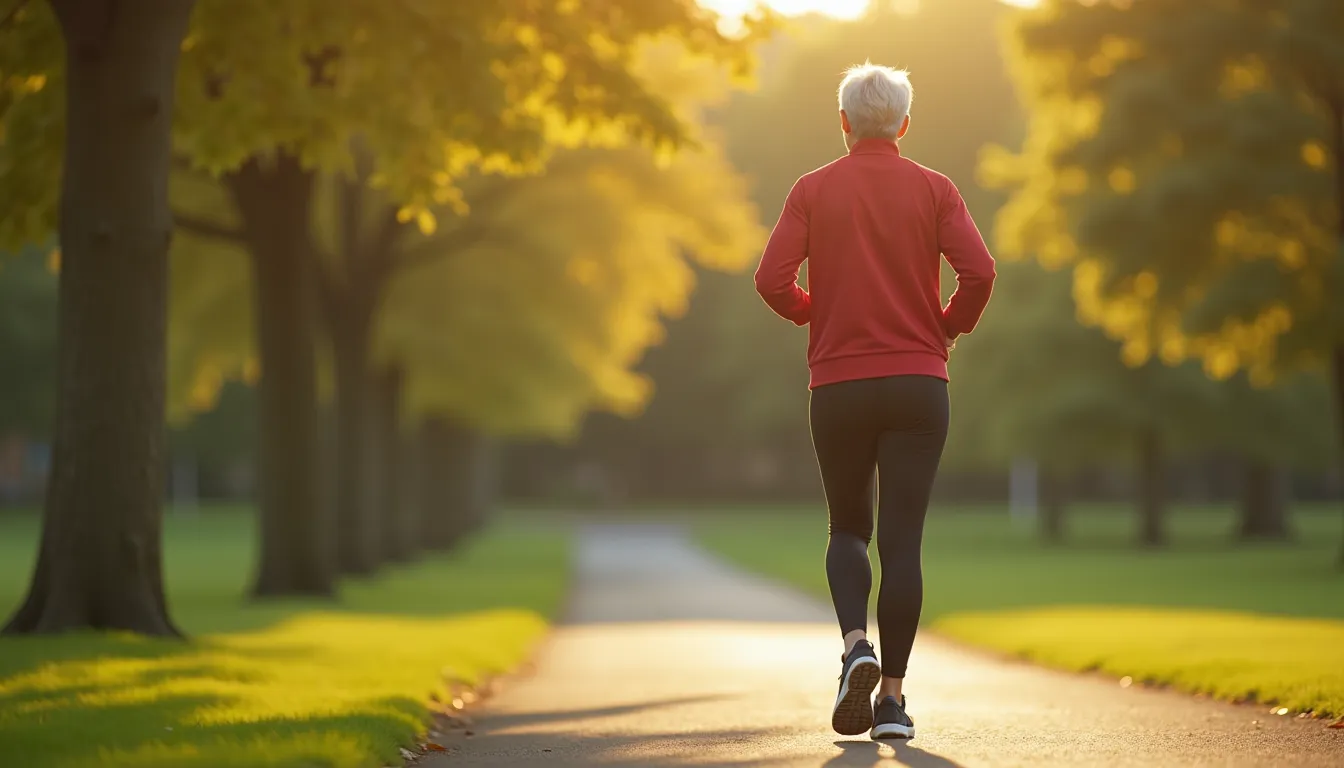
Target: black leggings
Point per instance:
(896, 427)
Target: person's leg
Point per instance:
(908, 459)
(846, 445)
(845, 440)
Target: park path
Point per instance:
(668, 657)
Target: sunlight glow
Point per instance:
(840, 9)
(733, 10)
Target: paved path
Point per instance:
(669, 657)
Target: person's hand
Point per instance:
(951, 343)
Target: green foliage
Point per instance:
(1183, 158)
(27, 342)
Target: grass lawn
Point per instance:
(1263, 622)
(277, 683)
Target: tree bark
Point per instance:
(397, 511)
(457, 475)
(100, 563)
(358, 538)
(1152, 490)
(1053, 503)
(274, 198)
(1264, 510)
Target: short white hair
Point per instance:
(876, 99)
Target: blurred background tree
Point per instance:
(1214, 233)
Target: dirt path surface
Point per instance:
(668, 656)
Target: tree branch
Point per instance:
(204, 228)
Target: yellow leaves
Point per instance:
(1145, 285)
(31, 84)
(54, 261)
(424, 218)
(584, 270)
(425, 221)
(1292, 254)
(1112, 51)
(553, 64)
(1243, 77)
(1072, 180)
(1174, 349)
(1122, 180)
(1221, 361)
(528, 36)
(1135, 352)
(1315, 155)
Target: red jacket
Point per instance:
(872, 226)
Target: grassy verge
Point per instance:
(289, 683)
(1259, 622)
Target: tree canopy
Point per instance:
(1183, 158)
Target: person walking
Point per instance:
(873, 227)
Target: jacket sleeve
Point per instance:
(777, 275)
(965, 249)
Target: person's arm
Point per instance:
(965, 249)
(777, 275)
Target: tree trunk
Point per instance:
(1264, 511)
(358, 538)
(457, 476)
(1053, 502)
(1152, 490)
(100, 563)
(398, 535)
(275, 200)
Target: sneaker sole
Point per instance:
(853, 713)
(893, 731)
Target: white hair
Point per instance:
(876, 99)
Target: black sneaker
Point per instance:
(891, 721)
(853, 713)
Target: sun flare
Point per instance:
(839, 9)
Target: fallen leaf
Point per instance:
(1337, 724)
(432, 747)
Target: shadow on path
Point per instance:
(502, 722)
(875, 753)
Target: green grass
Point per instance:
(289, 683)
(1204, 615)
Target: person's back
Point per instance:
(872, 227)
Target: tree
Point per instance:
(1033, 382)
(99, 563)
(1217, 235)
(423, 94)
